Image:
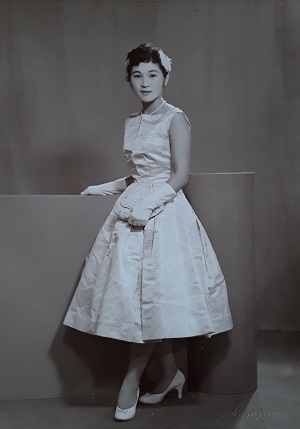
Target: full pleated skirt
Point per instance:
(142, 284)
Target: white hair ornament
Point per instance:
(165, 60)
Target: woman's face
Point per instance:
(147, 81)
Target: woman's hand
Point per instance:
(142, 211)
(139, 215)
(91, 190)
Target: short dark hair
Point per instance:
(144, 53)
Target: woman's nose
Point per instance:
(144, 83)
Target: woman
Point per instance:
(152, 274)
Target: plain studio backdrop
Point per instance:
(235, 72)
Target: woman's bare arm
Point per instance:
(180, 139)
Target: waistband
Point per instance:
(151, 182)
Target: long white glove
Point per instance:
(141, 212)
(110, 188)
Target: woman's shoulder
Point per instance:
(172, 110)
(134, 115)
(131, 119)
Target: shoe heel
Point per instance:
(179, 390)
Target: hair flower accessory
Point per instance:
(165, 60)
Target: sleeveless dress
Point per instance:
(142, 284)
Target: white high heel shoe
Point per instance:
(154, 398)
(129, 413)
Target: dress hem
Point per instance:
(149, 340)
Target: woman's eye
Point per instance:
(152, 75)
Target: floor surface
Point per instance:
(274, 405)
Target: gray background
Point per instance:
(236, 73)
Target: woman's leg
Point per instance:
(165, 356)
(140, 355)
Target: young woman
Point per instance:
(152, 274)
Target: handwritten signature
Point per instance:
(238, 415)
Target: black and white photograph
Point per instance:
(149, 214)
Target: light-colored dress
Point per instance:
(160, 281)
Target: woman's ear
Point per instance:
(166, 79)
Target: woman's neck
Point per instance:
(151, 108)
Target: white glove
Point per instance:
(141, 212)
(109, 188)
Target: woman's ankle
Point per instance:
(166, 378)
(168, 371)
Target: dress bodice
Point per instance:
(147, 145)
